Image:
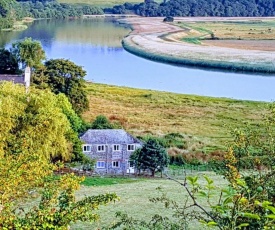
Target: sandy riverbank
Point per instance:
(152, 38)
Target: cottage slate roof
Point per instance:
(13, 78)
(108, 136)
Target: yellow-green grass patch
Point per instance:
(231, 30)
(203, 119)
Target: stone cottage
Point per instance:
(111, 148)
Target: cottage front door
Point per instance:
(130, 167)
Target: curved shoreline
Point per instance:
(158, 41)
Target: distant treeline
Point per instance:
(222, 8)
(12, 10)
(53, 9)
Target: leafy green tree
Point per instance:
(33, 131)
(151, 156)
(64, 76)
(26, 119)
(101, 122)
(29, 52)
(8, 63)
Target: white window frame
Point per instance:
(118, 164)
(116, 146)
(100, 150)
(86, 146)
(129, 149)
(99, 166)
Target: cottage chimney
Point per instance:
(27, 78)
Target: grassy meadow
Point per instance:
(230, 30)
(205, 122)
(134, 199)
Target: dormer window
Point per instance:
(86, 148)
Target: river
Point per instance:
(95, 44)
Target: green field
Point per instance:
(134, 200)
(245, 34)
(205, 122)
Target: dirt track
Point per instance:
(159, 39)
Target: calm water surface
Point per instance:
(95, 44)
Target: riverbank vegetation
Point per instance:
(12, 11)
(53, 9)
(197, 42)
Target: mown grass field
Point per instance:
(134, 200)
(205, 122)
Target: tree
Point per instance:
(26, 119)
(151, 156)
(77, 125)
(64, 76)
(29, 52)
(101, 122)
(34, 131)
(8, 63)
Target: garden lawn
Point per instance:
(134, 199)
(101, 181)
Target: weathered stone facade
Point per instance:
(111, 148)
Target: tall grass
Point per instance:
(199, 123)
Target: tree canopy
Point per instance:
(29, 52)
(8, 62)
(101, 122)
(152, 156)
(12, 10)
(26, 119)
(64, 76)
(183, 8)
(34, 130)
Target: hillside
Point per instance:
(204, 121)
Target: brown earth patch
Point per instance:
(264, 45)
